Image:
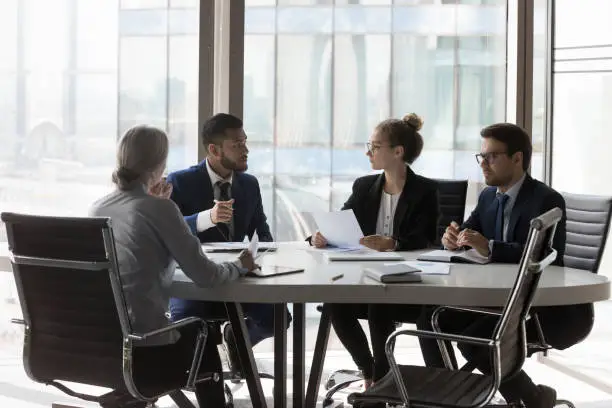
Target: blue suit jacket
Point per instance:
(192, 191)
(534, 198)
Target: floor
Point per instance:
(593, 357)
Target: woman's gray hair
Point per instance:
(141, 151)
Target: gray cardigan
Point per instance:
(151, 237)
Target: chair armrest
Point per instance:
(480, 310)
(172, 326)
(479, 341)
(389, 346)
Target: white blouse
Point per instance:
(386, 214)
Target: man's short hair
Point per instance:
(213, 131)
(514, 137)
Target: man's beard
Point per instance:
(231, 165)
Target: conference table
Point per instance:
(465, 285)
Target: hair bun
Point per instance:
(413, 120)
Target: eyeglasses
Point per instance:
(370, 148)
(489, 157)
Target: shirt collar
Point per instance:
(215, 178)
(513, 191)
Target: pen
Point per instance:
(335, 278)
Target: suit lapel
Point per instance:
(206, 187)
(522, 200)
(238, 194)
(410, 194)
(373, 205)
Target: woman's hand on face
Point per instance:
(162, 189)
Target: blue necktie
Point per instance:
(502, 199)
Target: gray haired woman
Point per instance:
(151, 238)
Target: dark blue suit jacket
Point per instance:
(534, 198)
(192, 191)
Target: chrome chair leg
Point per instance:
(568, 404)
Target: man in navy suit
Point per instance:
(222, 203)
(498, 229)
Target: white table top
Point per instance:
(466, 285)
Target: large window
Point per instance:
(319, 76)
(74, 75)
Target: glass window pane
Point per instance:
(363, 20)
(259, 85)
(304, 112)
(305, 19)
(45, 48)
(361, 97)
(142, 82)
(143, 4)
(304, 2)
(8, 32)
(183, 100)
(590, 19)
(97, 43)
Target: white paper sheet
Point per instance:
(340, 228)
(254, 245)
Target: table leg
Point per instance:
(245, 353)
(280, 355)
(316, 369)
(299, 354)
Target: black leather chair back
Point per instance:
(61, 269)
(588, 222)
(451, 196)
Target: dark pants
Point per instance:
(259, 316)
(174, 360)
(381, 319)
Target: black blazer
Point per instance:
(193, 192)
(415, 224)
(534, 198)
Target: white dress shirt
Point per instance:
(386, 214)
(204, 219)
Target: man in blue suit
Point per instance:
(222, 203)
(498, 229)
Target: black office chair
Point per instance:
(587, 227)
(76, 321)
(451, 197)
(428, 387)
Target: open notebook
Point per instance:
(463, 256)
